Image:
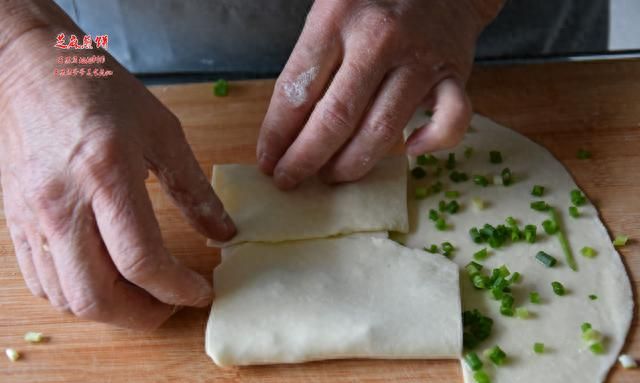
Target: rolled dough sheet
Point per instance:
(349, 297)
(263, 213)
(556, 322)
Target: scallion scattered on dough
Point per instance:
(33, 337)
(588, 252)
(481, 255)
(495, 157)
(577, 198)
(481, 377)
(421, 192)
(477, 203)
(538, 348)
(537, 191)
(12, 354)
(457, 176)
(451, 161)
(421, 160)
(473, 361)
(534, 297)
(496, 355)
(522, 313)
(507, 177)
(593, 297)
(452, 194)
(476, 328)
(480, 180)
(574, 212)
(546, 259)
(558, 288)
(564, 242)
(540, 206)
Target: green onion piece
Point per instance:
(558, 288)
(620, 240)
(481, 377)
(507, 177)
(475, 235)
(442, 206)
(447, 247)
(468, 151)
(538, 348)
(549, 226)
(480, 281)
(433, 249)
(503, 271)
(511, 222)
(534, 297)
(451, 161)
(574, 212)
(597, 348)
(441, 224)
(481, 255)
(433, 215)
(456, 176)
(593, 297)
(537, 191)
(418, 173)
(546, 259)
(539, 206)
(480, 180)
(476, 328)
(429, 160)
(452, 194)
(588, 252)
(564, 242)
(421, 160)
(473, 268)
(591, 336)
(584, 327)
(497, 356)
(497, 293)
(507, 301)
(530, 233)
(577, 198)
(522, 313)
(421, 192)
(436, 188)
(473, 361)
(515, 277)
(583, 154)
(221, 88)
(452, 207)
(507, 311)
(33, 337)
(478, 203)
(12, 354)
(495, 157)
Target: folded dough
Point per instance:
(263, 213)
(349, 297)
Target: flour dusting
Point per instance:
(296, 91)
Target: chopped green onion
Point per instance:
(538, 348)
(503, 271)
(620, 240)
(452, 194)
(522, 313)
(546, 259)
(473, 361)
(221, 88)
(433, 215)
(481, 255)
(441, 224)
(421, 160)
(452, 207)
(478, 203)
(468, 151)
(497, 356)
(515, 277)
(473, 268)
(627, 361)
(436, 188)
(591, 336)
(451, 161)
(476, 328)
(481, 377)
(429, 160)
(537, 191)
(593, 297)
(549, 226)
(558, 288)
(456, 176)
(447, 247)
(511, 221)
(588, 252)
(564, 242)
(574, 212)
(33, 337)
(495, 157)
(507, 177)
(507, 301)
(418, 173)
(480, 281)
(534, 297)
(475, 235)
(12, 354)
(530, 233)
(480, 180)
(584, 327)
(433, 249)
(597, 348)
(583, 154)
(539, 206)
(421, 192)
(442, 206)
(577, 198)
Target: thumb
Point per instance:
(176, 167)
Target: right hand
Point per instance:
(75, 154)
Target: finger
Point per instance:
(333, 120)
(313, 61)
(46, 269)
(132, 236)
(25, 261)
(94, 288)
(451, 117)
(397, 100)
(182, 178)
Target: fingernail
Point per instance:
(283, 180)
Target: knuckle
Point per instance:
(383, 130)
(335, 117)
(89, 306)
(138, 267)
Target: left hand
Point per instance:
(357, 74)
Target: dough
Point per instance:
(350, 297)
(263, 213)
(556, 322)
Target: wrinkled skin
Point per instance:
(357, 73)
(75, 154)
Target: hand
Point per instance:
(75, 154)
(357, 74)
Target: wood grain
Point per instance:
(562, 106)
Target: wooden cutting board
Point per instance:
(567, 106)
